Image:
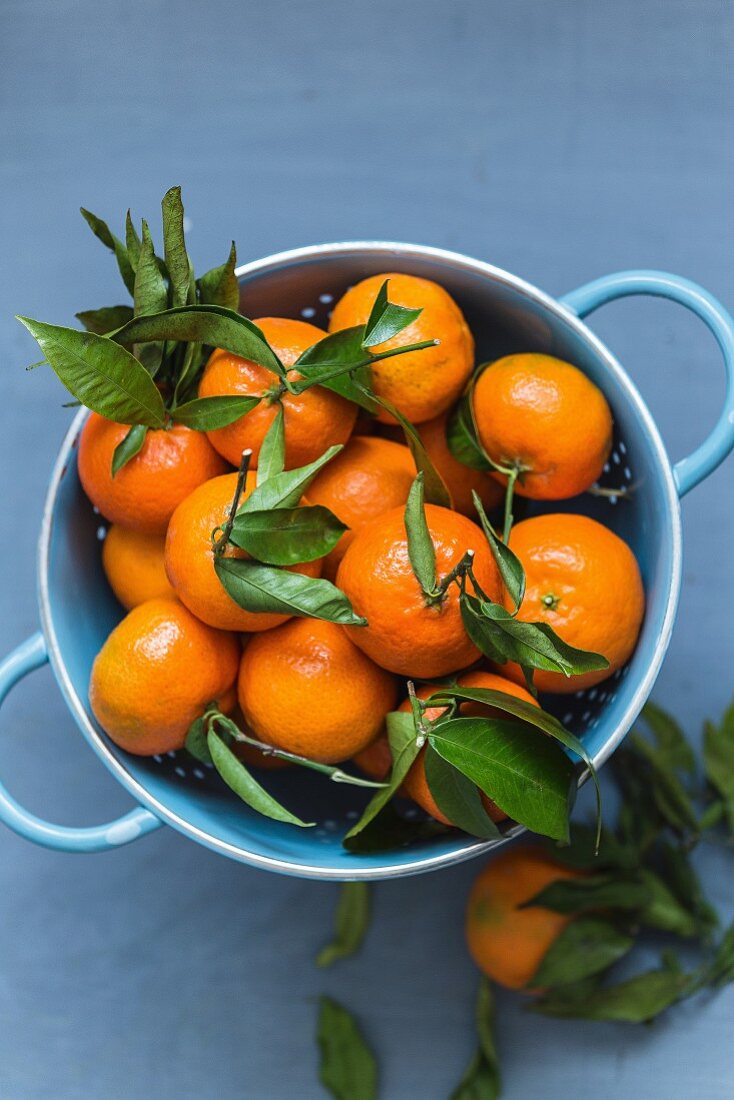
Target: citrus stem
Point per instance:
(456, 573)
(417, 709)
(220, 544)
(512, 475)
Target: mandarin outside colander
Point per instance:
(78, 610)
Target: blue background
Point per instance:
(560, 141)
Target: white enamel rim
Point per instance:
(392, 251)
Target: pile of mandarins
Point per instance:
(317, 688)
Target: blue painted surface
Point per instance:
(558, 141)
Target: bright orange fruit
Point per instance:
(133, 565)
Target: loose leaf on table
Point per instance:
(104, 320)
(174, 246)
(626, 893)
(458, 798)
(721, 968)
(351, 924)
(482, 1080)
(219, 286)
(679, 874)
(584, 854)
(386, 319)
(271, 460)
(670, 738)
(348, 1067)
(404, 748)
(420, 545)
(205, 414)
(204, 324)
(100, 374)
(639, 823)
(128, 447)
(586, 946)
(718, 760)
(636, 1001)
(462, 438)
(509, 565)
(339, 363)
(534, 716)
(287, 536)
(259, 587)
(662, 909)
(245, 786)
(102, 233)
(284, 490)
(529, 777)
(671, 798)
(434, 487)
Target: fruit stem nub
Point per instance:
(220, 544)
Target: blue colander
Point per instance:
(78, 610)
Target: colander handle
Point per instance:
(704, 460)
(30, 655)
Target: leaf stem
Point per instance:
(460, 569)
(512, 476)
(220, 544)
(344, 368)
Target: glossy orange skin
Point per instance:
(421, 384)
(595, 579)
(189, 558)
(369, 477)
(156, 673)
(404, 634)
(376, 759)
(133, 565)
(313, 421)
(145, 492)
(506, 942)
(460, 480)
(547, 415)
(307, 689)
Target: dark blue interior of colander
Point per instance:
(503, 319)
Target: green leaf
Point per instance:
(461, 437)
(219, 286)
(635, 1001)
(534, 716)
(101, 374)
(482, 1080)
(582, 852)
(103, 234)
(389, 830)
(174, 248)
(348, 1067)
(104, 320)
(238, 779)
(721, 970)
(670, 738)
(286, 489)
(271, 460)
(196, 741)
(258, 587)
(386, 319)
(132, 242)
(583, 895)
(718, 760)
(420, 545)
(287, 536)
(679, 874)
(151, 292)
(671, 798)
(128, 447)
(404, 747)
(509, 565)
(458, 798)
(662, 909)
(434, 487)
(339, 363)
(533, 645)
(527, 776)
(204, 324)
(586, 946)
(205, 414)
(352, 922)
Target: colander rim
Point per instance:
(463, 850)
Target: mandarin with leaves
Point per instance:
(506, 941)
(369, 477)
(584, 582)
(460, 480)
(314, 420)
(189, 557)
(134, 566)
(144, 494)
(544, 418)
(306, 688)
(408, 632)
(420, 384)
(155, 674)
